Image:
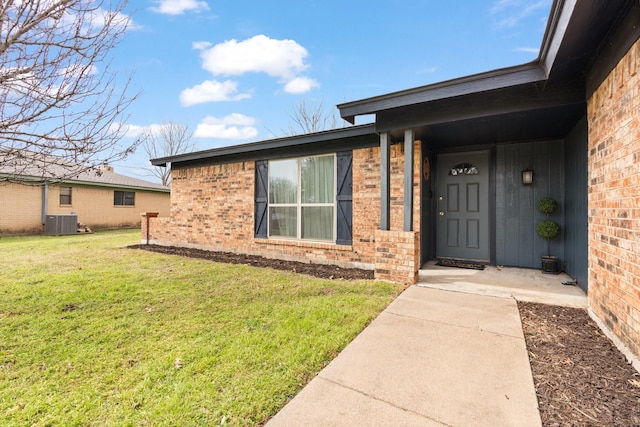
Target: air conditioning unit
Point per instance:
(59, 225)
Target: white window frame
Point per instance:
(299, 205)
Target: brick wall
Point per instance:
(212, 207)
(21, 207)
(94, 206)
(614, 200)
(397, 259)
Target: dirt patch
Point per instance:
(581, 378)
(316, 270)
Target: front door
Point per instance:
(463, 206)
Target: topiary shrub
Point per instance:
(547, 205)
(548, 229)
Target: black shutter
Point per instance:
(261, 198)
(344, 197)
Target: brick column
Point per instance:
(397, 256)
(145, 225)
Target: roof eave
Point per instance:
(289, 141)
(38, 180)
(496, 79)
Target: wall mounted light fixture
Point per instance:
(527, 177)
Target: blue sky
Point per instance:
(233, 71)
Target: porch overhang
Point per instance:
(519, 103)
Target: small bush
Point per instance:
(548, 229)
(547, 205)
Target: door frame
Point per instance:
(431, 204)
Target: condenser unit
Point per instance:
(58, 225)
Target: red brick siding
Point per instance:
(212, 207)
(614, 200)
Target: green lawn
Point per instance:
(93, 333)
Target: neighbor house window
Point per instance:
(65, 195)
(302, 198)
(124, 198)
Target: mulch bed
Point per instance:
(316, 270)
(581, 378)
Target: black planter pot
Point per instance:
(550, 265)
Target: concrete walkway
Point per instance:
(432, 358)
(447, 352)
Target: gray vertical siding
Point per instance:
(576, 214)
(517, 243)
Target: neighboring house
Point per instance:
(438, 175)
(99, 197)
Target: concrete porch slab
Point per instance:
(523, 284)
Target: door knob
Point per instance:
(441, 213)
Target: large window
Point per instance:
(65, 195)
(124, 198)
(302, 198)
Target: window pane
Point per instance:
(463, 169)
(129, 198)
(65, 195)
(283, 181)
(124, 198)
(317, 222)
(283, 221)
(317, 180)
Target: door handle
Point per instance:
(441, 213)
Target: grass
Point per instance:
(93, 333)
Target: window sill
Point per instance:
(303, 244)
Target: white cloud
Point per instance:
(277, 58)
(428, 70)
(535, 50)
(212, 91)
(509, 13)
(282, 59)
(201, 45)
(135, 131)
(233, 126)
(178, 7)
(300, 85)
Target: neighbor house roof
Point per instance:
(37, 168)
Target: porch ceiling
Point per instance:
(517, 113)
(533, 125)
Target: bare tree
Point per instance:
(169, 139)
(62, 107)
(310, 118)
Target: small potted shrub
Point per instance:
(548, 229)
